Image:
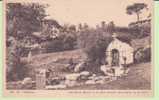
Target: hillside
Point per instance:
(57, 57)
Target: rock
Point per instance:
(107, 78)
(60, 86)
(54, 81)
(70, 83)
(72, 77)
(26, 80)
(92, 77)
(79, 67)
(100, 82)
(90, 82)
(97, 78)
(85, 73)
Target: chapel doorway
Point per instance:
(115, 57)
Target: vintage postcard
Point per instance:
(78, 48)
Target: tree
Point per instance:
(136, 8)
(72, 28)
(49, 29)
(80, 27)
(94, 45)
(22, 21)
(24, 18)
(111, 27)
(85, 26)
(103, 24)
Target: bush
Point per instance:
(61, 43)
(147, 54)
(142, 55)
(94, 45)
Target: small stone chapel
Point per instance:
(119, 52)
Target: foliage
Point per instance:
(94, 45)
(15, 68)
(49, 29)
(140, 31)
(22, 20)
(136, 8)
(142, 55)
(61, 43)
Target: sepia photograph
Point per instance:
(78, 45)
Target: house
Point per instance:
(119, 52)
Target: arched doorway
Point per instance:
(115, 57)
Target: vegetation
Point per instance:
(136, 9)
(24, 20)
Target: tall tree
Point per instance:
(22, 21)
(24, 18)
(111, 27)
(103, 24)
(136, 8)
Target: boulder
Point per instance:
(97, 78)
(106, 78)
(90, 82)
(92, 77)
(79, 67)
(100, 82)
(72, 77)
(55, 81)
(26, 80)
(85, 73)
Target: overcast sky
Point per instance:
(91, 11)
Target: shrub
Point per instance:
(94, 45)
(142, 55)
(147, 54)
(61, 43)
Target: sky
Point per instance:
(91, 12)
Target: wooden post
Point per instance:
(40, 79)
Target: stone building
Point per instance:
(119, 52)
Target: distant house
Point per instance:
(119, 52)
